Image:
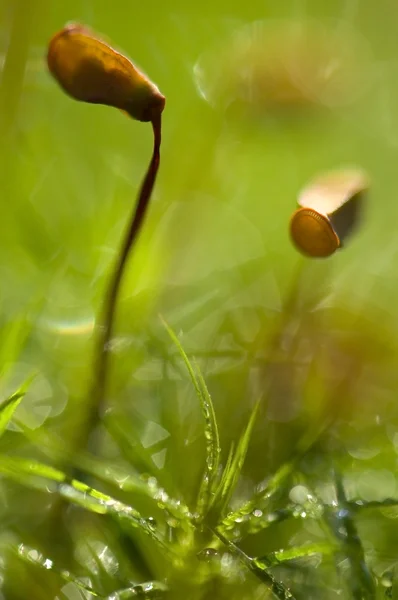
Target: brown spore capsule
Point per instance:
(89, 70)
(331, 206)
(313, 234)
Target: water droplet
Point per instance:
(171, 522)
(387, 579)
(151, 523)
(299, 494)
(342, 532)
(271, 517)
(207, 554)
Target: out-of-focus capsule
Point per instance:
(330, 208)
(90, 70)
(284, 64)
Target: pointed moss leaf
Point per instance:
(277, 483)
(259, 569)
(213, 449)
(9, 406)
(185, 358)
(31, 555)
(130, 445)
(274, 485)
(295, 553)
(110, 474)
(33, 468)
(37, 475)
(234, 468)
(7, 409)
(153, 590)
(226, 473)
(129, 482)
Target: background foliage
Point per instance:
(315, 342)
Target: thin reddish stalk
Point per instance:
(107, 322)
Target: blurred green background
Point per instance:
(214, 259)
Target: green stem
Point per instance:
(277, 588)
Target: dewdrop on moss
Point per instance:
(89, 70)
(330, 208)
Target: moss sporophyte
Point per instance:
(330, 208)
(90, 70)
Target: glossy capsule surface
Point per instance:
(89, 70)
(313, 234)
